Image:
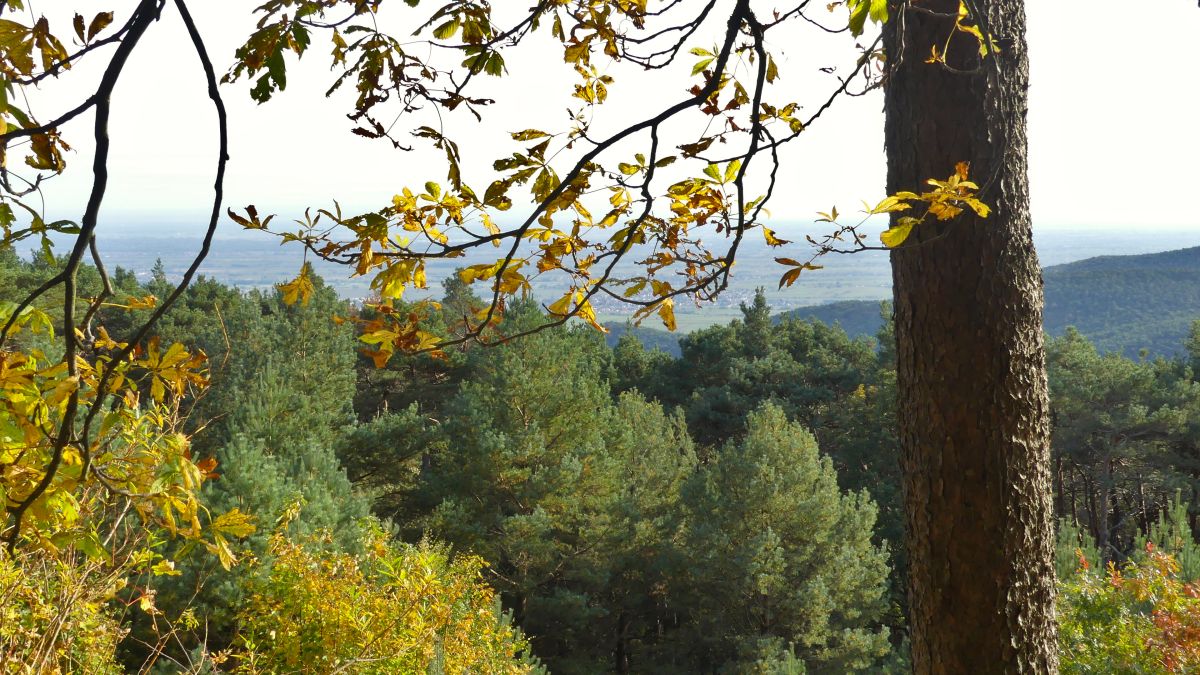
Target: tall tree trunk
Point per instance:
(621, 653)
(1074, 496)
(1060, 499)
(1104, 510)
(1092, 509)
(1143, 507)
(973, 396)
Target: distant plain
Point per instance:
(255, 260)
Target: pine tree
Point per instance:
(1113, 418)
(783, 556)
(525, 482)
(646, 544)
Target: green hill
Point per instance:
(1121, 303)
(856, 317)
(651, 338)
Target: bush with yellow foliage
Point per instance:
(396, 608)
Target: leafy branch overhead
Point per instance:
(649, 215)
(582, 201)
(946, 201)
(90, 424)
(572, 204)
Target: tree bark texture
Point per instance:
(973, 396)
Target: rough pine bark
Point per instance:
(973, 396)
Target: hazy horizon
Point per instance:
(248, 260)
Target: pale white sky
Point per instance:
(1113, 134)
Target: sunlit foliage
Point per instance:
(1137, 618)
(394, 609)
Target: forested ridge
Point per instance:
(732, 509)
(1121, 303)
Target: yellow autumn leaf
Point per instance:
(562, 306)
(225, 555)
(146, 602)
(512, 281)
(895, 202)
(234, 523)
(772, 240)
(896, 235)
(300, 288)
(982, 210)
(165, 568)
(666, 311)
(144, 302)
(944, 210)
(588, 314)
(379, 357)
(481, 272)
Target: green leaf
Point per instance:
(446, 30)
(858, 16)
(544, 184)
(301, 36)
(861, 10)
(879, 11)
(277, 68)
(494, 65)
(91, 546)
(731, 171)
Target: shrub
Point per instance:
(1139, 618)
(53, 616)
(395, 608)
